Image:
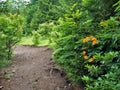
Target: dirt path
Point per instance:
(33, 69)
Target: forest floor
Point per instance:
(33, 69)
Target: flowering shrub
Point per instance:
(104, 69)
(88, 51)
(67, 49)
(89, 40)
(89, 58)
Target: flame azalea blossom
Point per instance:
(84, 52)
(94, 39)
(85, 57)
(85, 40)
(90, 38)
(94, 42)
(91, 59)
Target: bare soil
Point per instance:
(33, 69)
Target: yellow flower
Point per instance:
(94, 42)
(91, 59)
(91, 36)
(84, 52)
(85, 57)
(86, 39)
(94, 39)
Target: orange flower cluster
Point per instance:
(91, 59)
(90, 38)
(94, 42)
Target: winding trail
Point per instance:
(33, 69)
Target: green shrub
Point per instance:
(36, 38)
(47, 31)
(10, 34)
(67, 49)
(104, 69)
(87, 49)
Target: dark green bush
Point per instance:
(87, 48)
(68, 47)
(104, 69)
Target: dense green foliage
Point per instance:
(86, 42)
(39, 12)
(103, 70)
(10, 32)
(84, 36)
(85, 39)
